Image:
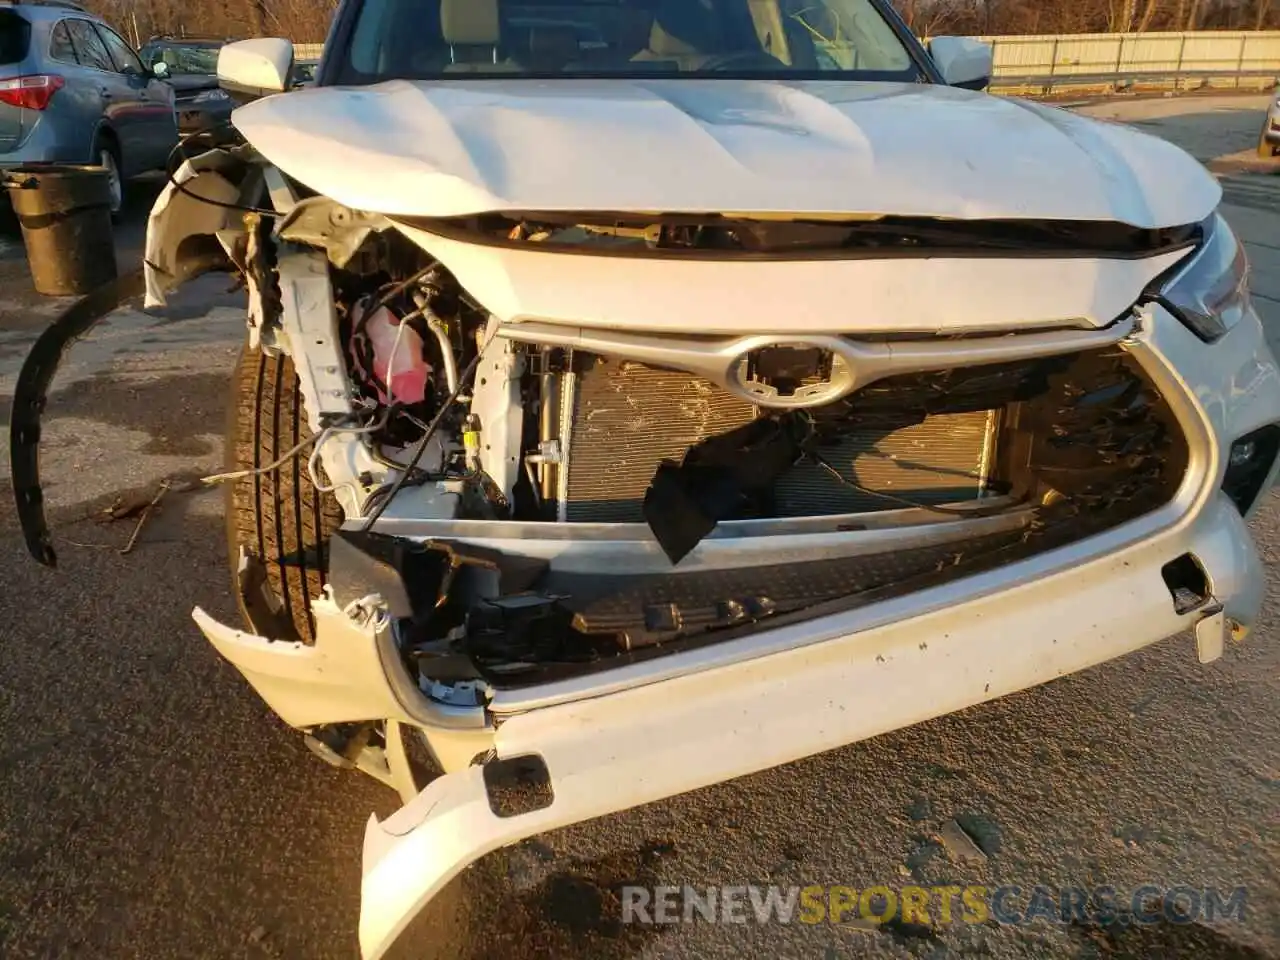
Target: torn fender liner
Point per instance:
(195, 207)
(32, 393)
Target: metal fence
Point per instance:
(1171, 60)
(1048, 64)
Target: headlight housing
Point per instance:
(1210, 293)
(216, 95)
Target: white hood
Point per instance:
(448, 148)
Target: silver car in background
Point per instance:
(190, 66)
(73, 91)
(1269, 142)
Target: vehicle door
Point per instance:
(117, 103)
(77, 108)
(157, 122)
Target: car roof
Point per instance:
(48, 9)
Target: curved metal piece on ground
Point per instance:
(32, 393)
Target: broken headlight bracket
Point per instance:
(1208, 292)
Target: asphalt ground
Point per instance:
(151, 806)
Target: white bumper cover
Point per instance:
(652, 742)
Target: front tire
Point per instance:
(278, 517)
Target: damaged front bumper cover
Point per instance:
(827, 683)
(604, 754)
(579, 760)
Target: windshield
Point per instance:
(192, 60)
(776, 39)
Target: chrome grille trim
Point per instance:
(721, 360)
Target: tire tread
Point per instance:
(280, 517)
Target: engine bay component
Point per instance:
(388, 353)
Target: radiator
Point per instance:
(619, 419)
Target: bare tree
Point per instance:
(1120, 16)
(1148, 15)
(307, 21)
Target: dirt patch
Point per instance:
(1246, 161)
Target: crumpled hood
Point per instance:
(449, 148)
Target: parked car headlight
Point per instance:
(216, 95)
(1210, 294)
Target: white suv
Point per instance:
(642, 394)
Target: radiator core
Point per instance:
(619, 419)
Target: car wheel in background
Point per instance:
(106, 156)
(1267, 149)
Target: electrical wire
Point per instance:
(400, 288)
(388, 293)
(391, 361)
(318, 439)
(269, 468)
(170, 172)
(467, 373)
(969, 513)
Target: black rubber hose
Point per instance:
(463, 379)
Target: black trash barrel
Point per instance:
(65, 213)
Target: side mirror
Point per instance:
(963, 62)
(160, 70)
(255, 68)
